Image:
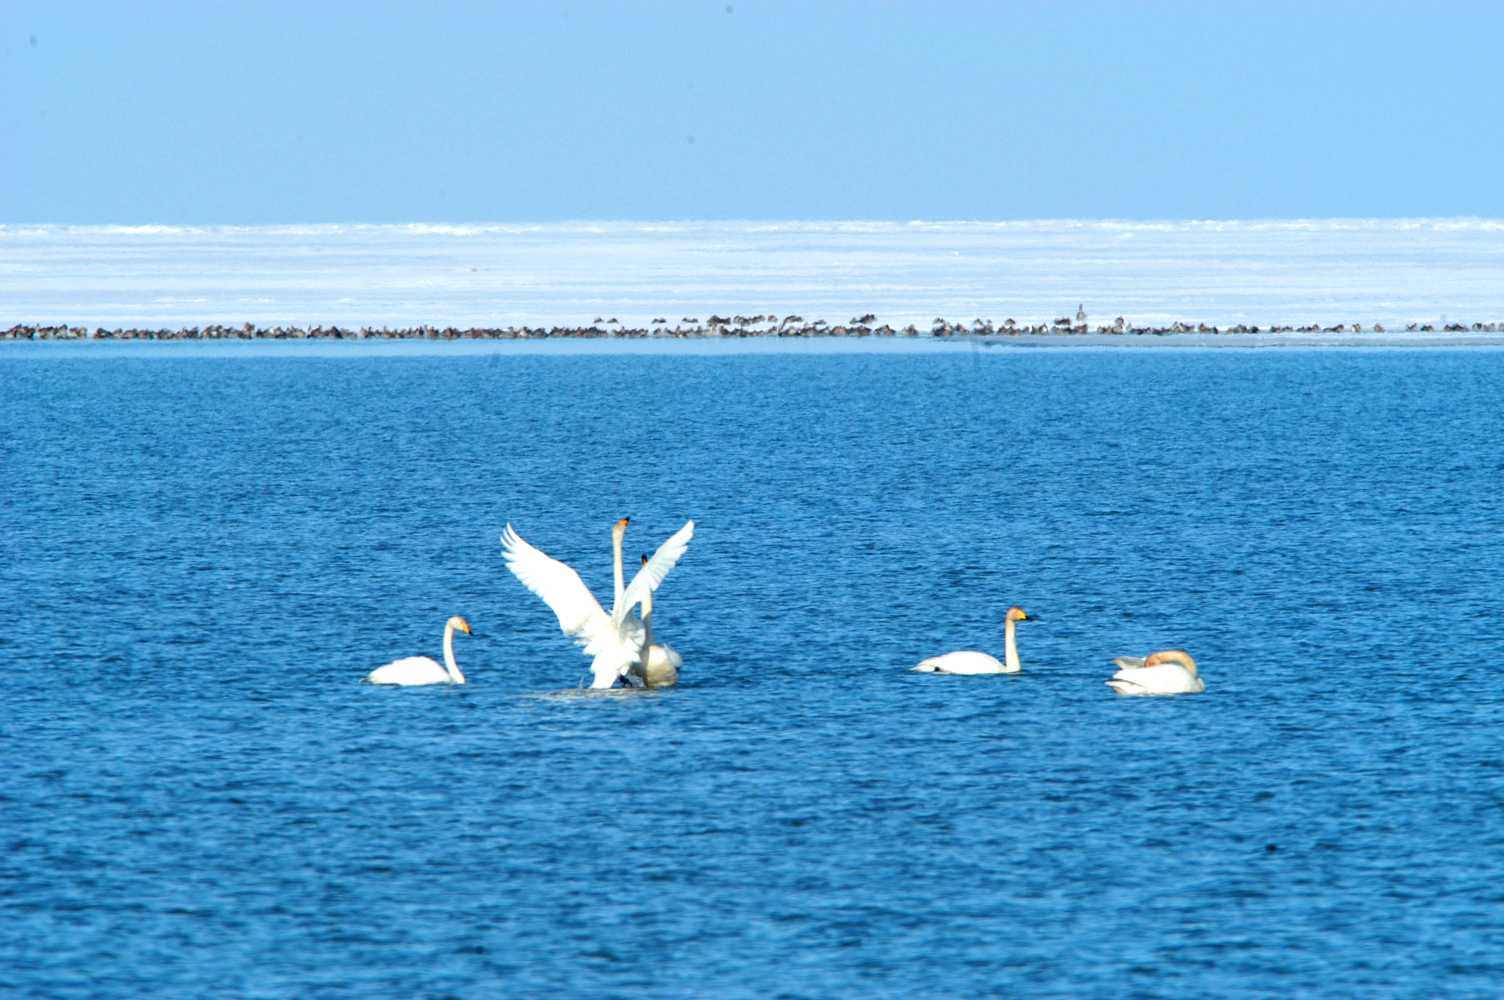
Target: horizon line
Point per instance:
(440, 224)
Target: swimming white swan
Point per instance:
(415, 670)
(659, 664)
(1168, 671)
(972, 662)
(610, 639)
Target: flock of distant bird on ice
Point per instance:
(762, 325)
(620, 641)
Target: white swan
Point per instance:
(629, 617)
(619, 590)
(1168, 671)
(415, 670)
(972, 662)
(610, 639)
(659, 663)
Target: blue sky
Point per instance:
(295, 112)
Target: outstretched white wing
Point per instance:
(580, 614)
(650, 576)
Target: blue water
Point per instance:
(203, 553)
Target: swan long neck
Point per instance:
(1010, 646)
(449, 664)
(620, 580)
(647, 628)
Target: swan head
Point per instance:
(1017, 614)
(1179, 656)
(458, 623)
(620, 527)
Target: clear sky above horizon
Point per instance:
(740, 109)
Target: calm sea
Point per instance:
(205, 550)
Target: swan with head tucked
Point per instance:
(613, 641)
(1167, 671)
(659, 663)
(415, 670)
(972, 662)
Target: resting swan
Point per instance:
(414, 670)
(611, 640)
(1168, 671)
(659, 663)
(972, 662)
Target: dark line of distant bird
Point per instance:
(691, 327)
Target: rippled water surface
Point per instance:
(203, 553)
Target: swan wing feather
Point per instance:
(647, 579)
(609, 666)
(413, 663)
(409, 670)
(1162, 678)
(560, 587)
(964, 662)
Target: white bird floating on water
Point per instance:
(612, 640)
(1167, 671)
(972, 662)
(415, 670)
(659, 664)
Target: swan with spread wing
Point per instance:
(612, 640)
